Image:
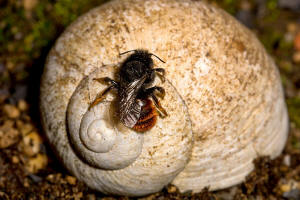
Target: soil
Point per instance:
(28, 167)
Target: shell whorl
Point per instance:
(95, 133)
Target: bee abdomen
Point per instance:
(147, 118)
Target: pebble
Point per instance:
(15, 159)
(11, 111)
(35, 178)
(292, 27)
(285, 187)
(90, 197)
(36, 163)
(29, 4)
(8, 134)
(53, 178)
(10, 66)
(50, 178)
(26, 183)
(24, 128)
(22, 105)
(78, 196)
(172, 189)
(293, 194)
(287, 160)
(290, 185)
(31, 144)
(296, 57)
(71, 180)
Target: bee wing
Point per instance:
(130, 108)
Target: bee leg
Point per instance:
(100, 96)
(112, 85)
(162, 112)
(107, 80)
(161, 73)
(150, 92)
(161, 91)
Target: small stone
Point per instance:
(8, 134)
(28, 7)
(15, 159)
(24, 128)
(90, 197)
(71, 180)
(293, 194)
(246, 5)
(289, 185)
(285, 187)
(29, 4)
(292, 27)
(50, 178)
(35, 178)
(172, 189)
(26, 183)
(22, 105)
(78, 196)
(296, 57)
(31, 144)
(287, 160)
(36, 163)
(11, 111)
(10, 66)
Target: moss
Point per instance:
(230, 6)
(271, 39)
(272, 5)
(23, 33)
(294, 110)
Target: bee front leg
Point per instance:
(161, 73)
(107, 80)
(112, 85)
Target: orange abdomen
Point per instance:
(147, 118)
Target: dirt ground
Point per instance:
(28, 167)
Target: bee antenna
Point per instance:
(126, 52)
(148, 54)
(157, 57)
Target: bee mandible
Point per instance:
(136, 75)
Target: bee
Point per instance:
(135, 94)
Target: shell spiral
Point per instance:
(223, 97)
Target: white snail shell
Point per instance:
(230, 85)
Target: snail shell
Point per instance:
(230, 85)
